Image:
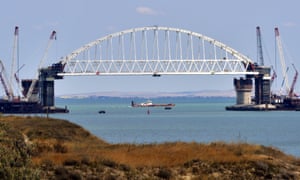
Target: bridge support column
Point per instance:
(263, 86)
(243, 88)
(46, 85)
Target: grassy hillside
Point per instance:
(58, 149)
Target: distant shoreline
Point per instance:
(118, 94)
(142, 98)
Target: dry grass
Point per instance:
(38, 128)
(59, 142)
(178, 153)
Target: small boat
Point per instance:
(101, 112)
(168, 108)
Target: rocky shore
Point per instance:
(41, 148)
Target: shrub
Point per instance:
(164, 173)
(109, 163)
(60, 148)
(85, 161)
(61, 173)
(74, 176)
(124, 167)
(109, 177)
(38, 148)
(47, 164)
(71, 162)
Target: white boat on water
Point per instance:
(150, 104)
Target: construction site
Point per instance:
(30, 95)
(265, 98)
(37, 95)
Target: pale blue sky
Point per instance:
(78, 22)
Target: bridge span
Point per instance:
(156, 51)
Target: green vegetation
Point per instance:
(14, 155)
(35, 148)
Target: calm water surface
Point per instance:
(198, 119)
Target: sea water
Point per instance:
(202, 120)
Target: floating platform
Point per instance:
(251, 107)
(262, 107)
(24, 107)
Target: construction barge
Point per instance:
(30, 95)
(264, 99)
(23, 107)
(41, 90)
(265, 107)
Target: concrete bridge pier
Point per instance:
(46, 84)
(262, 94)
(263, 85)
(243, 88)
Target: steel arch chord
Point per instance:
(155, 50)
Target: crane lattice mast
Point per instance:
(34, 81)
(282, 60)
(5, 82)
(259, 47)
(291, 92)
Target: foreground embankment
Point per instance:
(41, 148)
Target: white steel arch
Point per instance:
(155, 50)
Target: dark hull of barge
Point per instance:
(266, 107)
(23, 107)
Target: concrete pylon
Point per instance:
(243, 89)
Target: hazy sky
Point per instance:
(78, 22)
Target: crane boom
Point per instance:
(14, 54)
(291, 92)
(15, 83)
(274, 76)
(260, 55)
(259, 47)
(282, 60)
(5, 83)
(34, 81)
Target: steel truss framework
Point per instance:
(155, 50)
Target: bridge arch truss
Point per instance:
(155, 50)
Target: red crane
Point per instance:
(291, 92)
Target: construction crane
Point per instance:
(14, 79)
(14, 54)
(259, 47)
(9, 84)
(29, 95)
(5, 82)
(274, 75)
(291, 92)
(282, 60)
(260, 55)
(16, 74)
